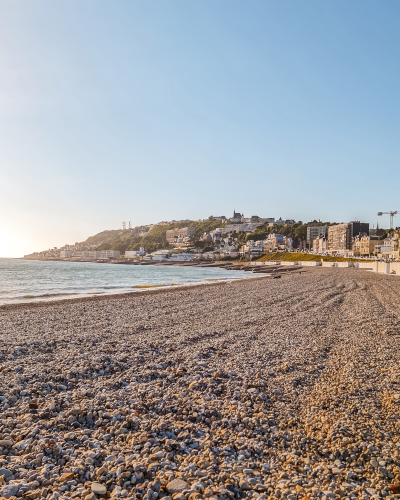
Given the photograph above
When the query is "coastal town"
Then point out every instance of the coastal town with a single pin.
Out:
(233, 238)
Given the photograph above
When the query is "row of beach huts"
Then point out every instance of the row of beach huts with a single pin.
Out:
(375, 266)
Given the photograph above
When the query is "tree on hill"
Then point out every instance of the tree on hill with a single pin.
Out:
(129, 239)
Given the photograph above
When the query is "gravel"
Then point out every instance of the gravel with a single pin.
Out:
(246, 389)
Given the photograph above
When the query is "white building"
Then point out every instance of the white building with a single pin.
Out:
(181, 257)
(91, 254)
(246, 227)
(132, 254)
(65, 254)
(109, 254)
(159, 256)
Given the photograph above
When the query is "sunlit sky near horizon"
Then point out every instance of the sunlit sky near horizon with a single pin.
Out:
(156, 110)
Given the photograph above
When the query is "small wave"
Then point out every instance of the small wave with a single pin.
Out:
(94, 293)
(150, 286)
(44, 295)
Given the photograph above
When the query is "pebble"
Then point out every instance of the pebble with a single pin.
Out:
(244, 389)
(99, 489)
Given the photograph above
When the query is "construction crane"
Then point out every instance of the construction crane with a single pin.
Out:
(392, 214)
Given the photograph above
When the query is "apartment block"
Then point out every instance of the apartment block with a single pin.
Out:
(340, 237)
(109, 254)
(314, 232)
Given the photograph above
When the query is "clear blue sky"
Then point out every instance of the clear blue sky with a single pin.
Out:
(157, 110)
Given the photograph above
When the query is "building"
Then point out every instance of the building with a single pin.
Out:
(65, 254)
(237, 217)
(109, 254)
(266, 220)
(181, 257)
(364, 245)
(389, 248)
(253, 248)
(159, 257)
(340, 237)
(320, 244)
(185, 232)
(314, 232)
(132, 254)
(247, 227)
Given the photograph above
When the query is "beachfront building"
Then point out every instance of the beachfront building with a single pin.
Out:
(109, 254)
(340, 237)
(65, 254)
(174, 235)
(133, 254)
(364, 245)
(91, 254)
(181, 257)
(389, 248)
(253, 248)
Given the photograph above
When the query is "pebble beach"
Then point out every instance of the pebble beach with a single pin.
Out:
(257, 388)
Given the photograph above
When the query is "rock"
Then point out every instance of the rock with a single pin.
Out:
(10, 490)
(201, 473)
(195, 496)
(177, 486)
(116, 491)
(6, 473)
(90, 496)
(98, 489)
(6, 442)
(244, 485)
(395, 488)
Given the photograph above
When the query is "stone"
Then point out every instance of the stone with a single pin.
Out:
(6, 473)
(177, 486)
(6, 442)
(98, 489)
(9, 490)
(90, 496)
(68, 476)
(195, 496)
(244, 485)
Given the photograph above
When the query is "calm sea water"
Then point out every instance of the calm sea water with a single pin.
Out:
(24, 280)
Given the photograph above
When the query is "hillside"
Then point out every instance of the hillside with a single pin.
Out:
(129, 239)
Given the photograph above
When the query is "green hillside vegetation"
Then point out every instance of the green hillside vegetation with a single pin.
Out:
(293, 230)
(129, 239)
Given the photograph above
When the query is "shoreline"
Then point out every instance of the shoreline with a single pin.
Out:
(262, 388)
(118, 293)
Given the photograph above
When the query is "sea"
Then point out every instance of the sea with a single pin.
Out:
(31, 280)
